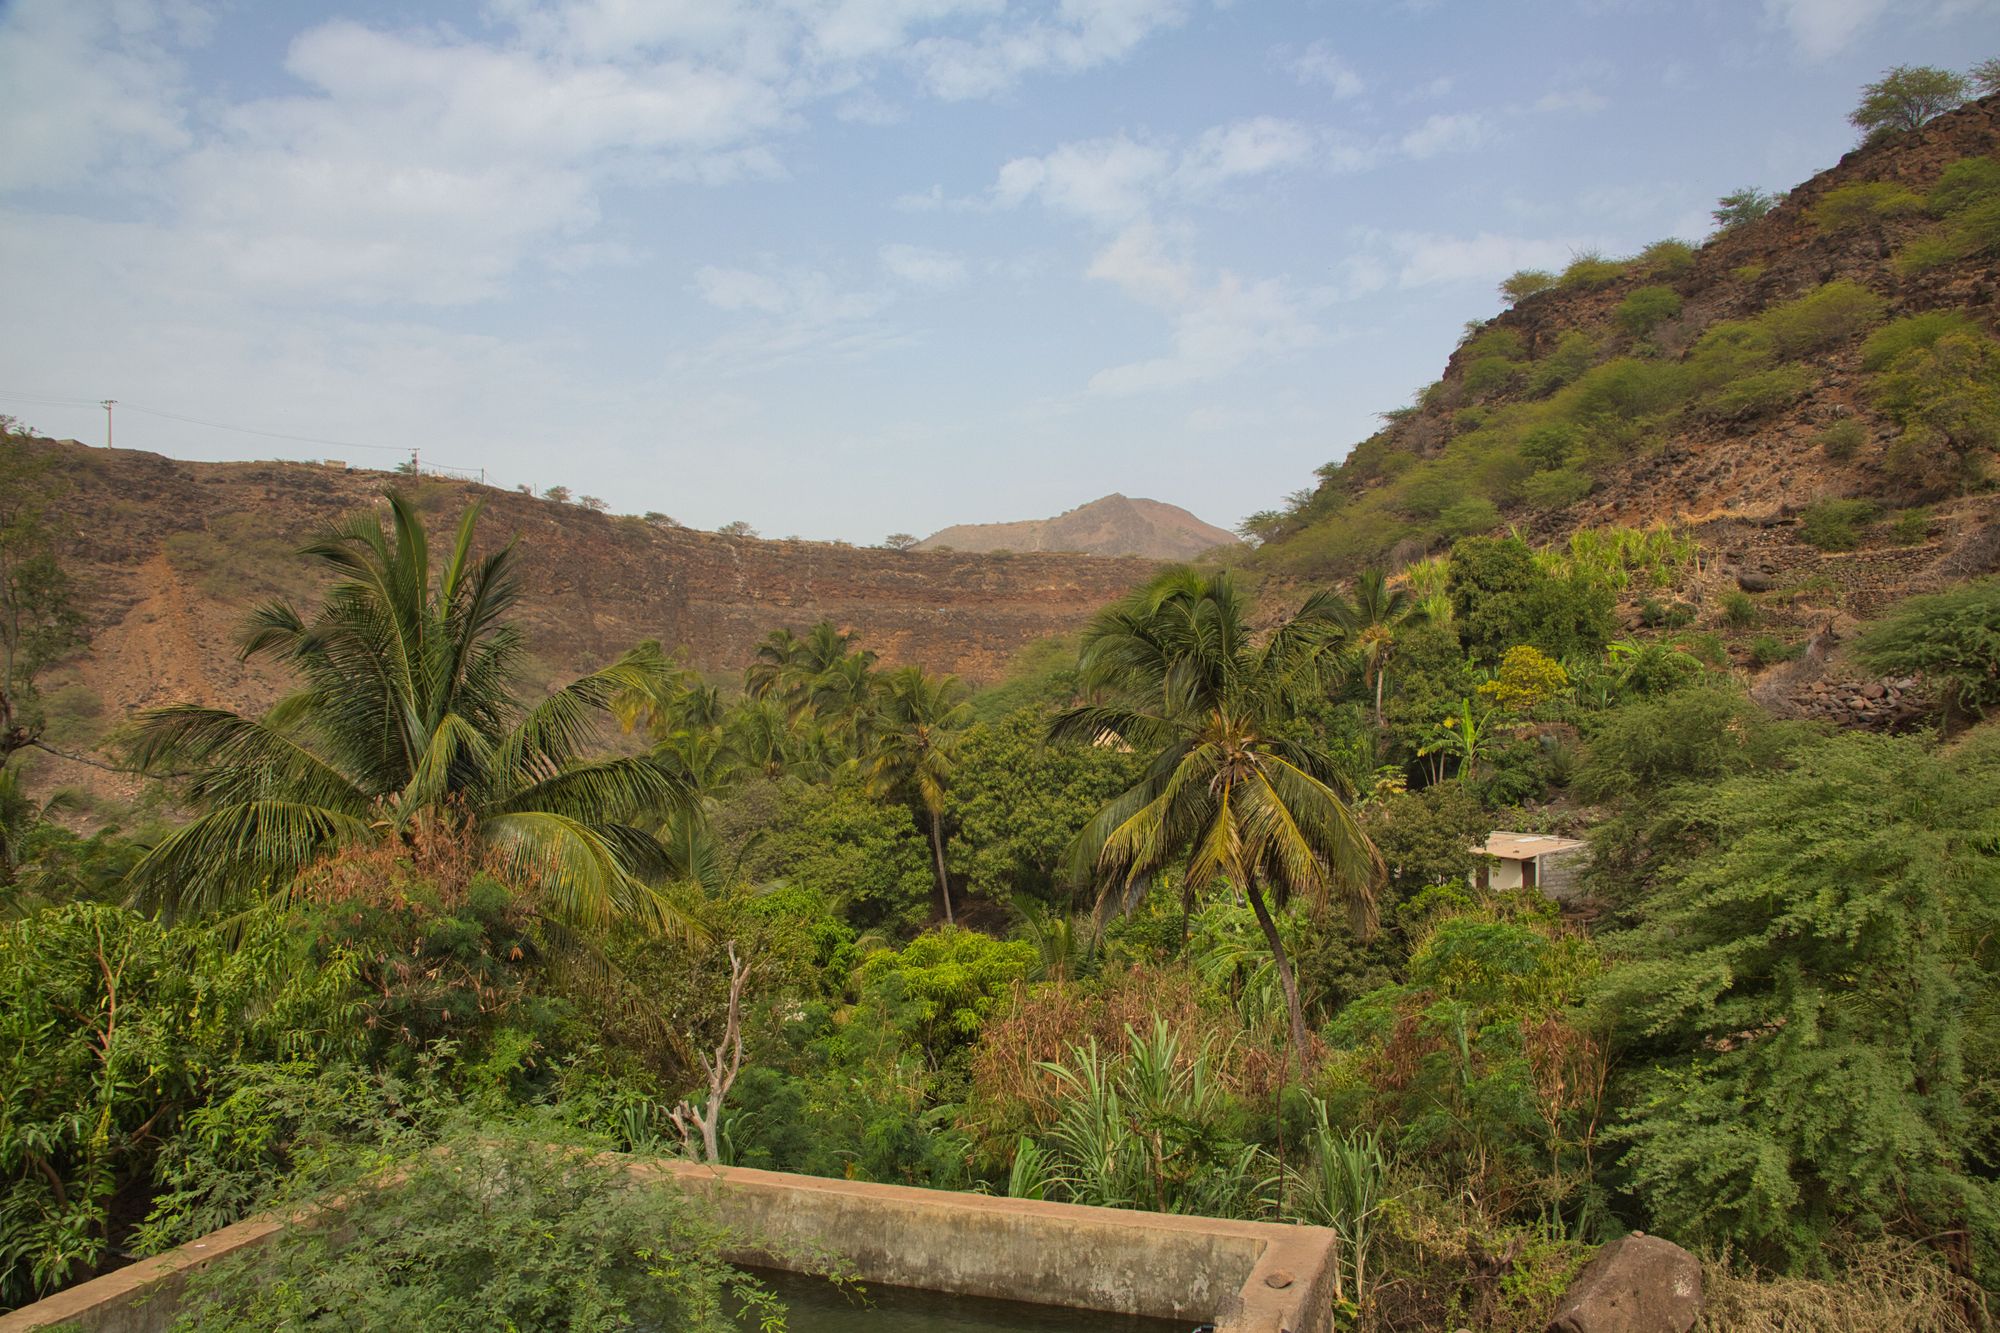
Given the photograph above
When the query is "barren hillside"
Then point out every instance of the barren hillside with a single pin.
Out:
(1116, 525)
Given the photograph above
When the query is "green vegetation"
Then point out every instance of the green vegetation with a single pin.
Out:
(1843, 439)
(1590, 269)
(1951, 639)
(1740, 208)
(1835, 525)
(1646, 309)
(1526, 283)
(1904, 99)
(1848, 206)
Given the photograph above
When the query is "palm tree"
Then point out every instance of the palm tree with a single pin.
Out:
(1176, 673)
(406, 719)
(1372, 621)
(913, 750)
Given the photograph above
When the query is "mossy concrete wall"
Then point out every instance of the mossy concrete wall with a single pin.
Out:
(1248, 1277)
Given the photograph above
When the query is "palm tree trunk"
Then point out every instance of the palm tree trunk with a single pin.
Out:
(1285, 978)
(937, 862)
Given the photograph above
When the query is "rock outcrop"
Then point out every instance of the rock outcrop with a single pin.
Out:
(1636, 1284)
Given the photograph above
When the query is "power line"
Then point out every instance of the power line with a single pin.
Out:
(49, 400)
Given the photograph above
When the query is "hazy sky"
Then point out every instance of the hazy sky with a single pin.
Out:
(847, 267)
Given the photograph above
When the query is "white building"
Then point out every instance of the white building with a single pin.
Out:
(1530, 861)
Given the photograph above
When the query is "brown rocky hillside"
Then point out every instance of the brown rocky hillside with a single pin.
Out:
(1114, 525)
(173, 553)
(1746, 411)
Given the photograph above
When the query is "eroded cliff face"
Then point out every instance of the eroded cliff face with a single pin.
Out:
(173, 553)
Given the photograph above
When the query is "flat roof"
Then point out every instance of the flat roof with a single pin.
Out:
(1526, 846)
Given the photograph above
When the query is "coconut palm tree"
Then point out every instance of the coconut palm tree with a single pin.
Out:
(915, 739)
(1174, 672)
(1373, 620)
(406, 717)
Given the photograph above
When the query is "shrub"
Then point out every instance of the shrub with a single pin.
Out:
(1911, 333)
(1768, 650)
(1504, 343)
(1501, 597)
(1747, 273)
(1801, 1069)
(1551, 445)
(1832, 314)
(1741, 207)
(1925, 253)
(1947, 393)
(1843, 439)
(1951, 639)
(1468, 516)
(1646, 309)
(1834, 525)
(1910, 527)
(1665, 259)
(1574, 353)
(1758, 394)
(1623, 390)
(1488, 375)
(1556, 489)
(1525, 283)
(1590, 269)
(1727, 352)
(1968, 181)
(1856, 205)
(1738, 611)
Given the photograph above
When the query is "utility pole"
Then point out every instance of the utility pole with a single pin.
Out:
(107, 405)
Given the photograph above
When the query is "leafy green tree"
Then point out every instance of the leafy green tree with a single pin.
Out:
(1949, 392)
(952, 978)
(1951, 639)
(1739, 208)
(1372, 619)
(1795, 1014)
(112, 1027)
(1527, 679)
(1905, 99)
(1175, 673)
(914, 752)
(1986, 76)
(1500, 597)
(405, 720)
(1019, 804)
(833, 840)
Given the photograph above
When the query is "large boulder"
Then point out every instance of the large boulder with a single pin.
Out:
(1636, 1284)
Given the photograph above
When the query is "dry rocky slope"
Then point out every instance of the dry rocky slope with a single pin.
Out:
(1739, 485)
(173, 553)
(1113, 525)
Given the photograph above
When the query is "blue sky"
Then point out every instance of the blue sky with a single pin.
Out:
(847, 267)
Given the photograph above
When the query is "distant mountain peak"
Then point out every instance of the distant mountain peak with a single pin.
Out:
(1114, 524)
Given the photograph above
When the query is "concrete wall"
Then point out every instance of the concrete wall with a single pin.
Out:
(1249, 1277)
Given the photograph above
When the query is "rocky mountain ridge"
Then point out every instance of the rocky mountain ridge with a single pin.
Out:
(1114, 525)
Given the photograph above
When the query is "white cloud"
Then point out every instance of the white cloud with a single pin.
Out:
(921, 267)
(1446, 133)
(1574, 99)
(83, 86)
(1426, 259)
(1245, 148)
(1081, 35)
(1824, 28)
(1105, 181)
(1318, 65)
(1218, 325)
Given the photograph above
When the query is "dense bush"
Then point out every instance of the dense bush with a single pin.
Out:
(1951, 639)
(1833, 313)
(1843, 439)
(1848, 206)
(1555, 490)
(1646, 309)
(1501, 597)
(1835, 525)
(1795, 1011)
(1525, 283)
(1590, 269)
